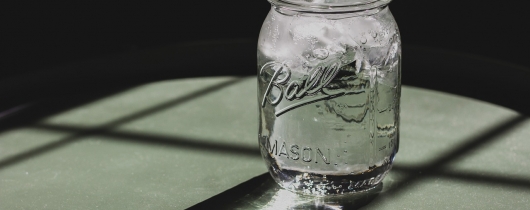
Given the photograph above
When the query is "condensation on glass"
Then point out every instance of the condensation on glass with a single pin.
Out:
(328, 93)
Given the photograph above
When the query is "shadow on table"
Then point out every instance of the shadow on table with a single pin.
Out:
(78, 132)
(262, 192)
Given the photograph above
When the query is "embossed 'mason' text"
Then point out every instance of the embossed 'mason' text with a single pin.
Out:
(295, 152)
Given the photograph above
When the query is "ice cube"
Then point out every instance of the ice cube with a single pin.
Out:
(320, 54)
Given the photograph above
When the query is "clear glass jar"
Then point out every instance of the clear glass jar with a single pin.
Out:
(328, 93)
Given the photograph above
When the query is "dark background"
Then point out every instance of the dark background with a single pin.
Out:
(41, 38)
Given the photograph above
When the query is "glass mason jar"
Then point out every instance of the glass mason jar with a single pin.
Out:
(328, 93)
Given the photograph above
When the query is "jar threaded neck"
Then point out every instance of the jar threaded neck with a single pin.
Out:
(329, 6)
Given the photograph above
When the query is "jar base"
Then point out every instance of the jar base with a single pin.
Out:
(324, 184)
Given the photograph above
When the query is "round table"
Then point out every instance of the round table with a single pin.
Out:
(147, 130)
(192, 143)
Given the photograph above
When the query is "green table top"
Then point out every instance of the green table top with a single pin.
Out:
(193, 142)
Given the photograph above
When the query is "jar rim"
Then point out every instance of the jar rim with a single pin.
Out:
(329, 6)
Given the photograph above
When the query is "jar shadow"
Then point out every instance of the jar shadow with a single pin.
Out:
(263, 193)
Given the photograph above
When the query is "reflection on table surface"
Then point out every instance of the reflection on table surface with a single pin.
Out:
(192, 143)
(262, 192)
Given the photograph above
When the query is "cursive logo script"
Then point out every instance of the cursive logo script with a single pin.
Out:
(315, 85)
